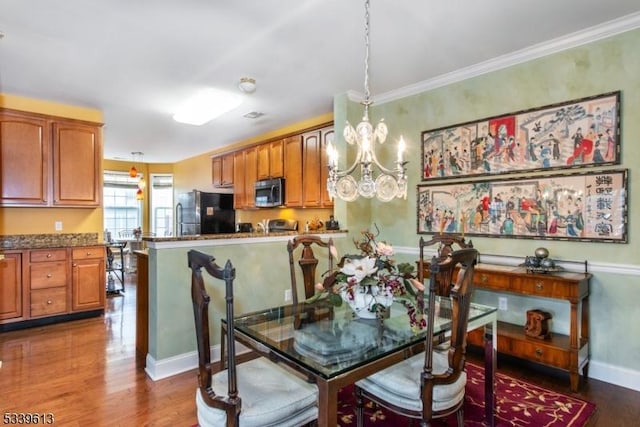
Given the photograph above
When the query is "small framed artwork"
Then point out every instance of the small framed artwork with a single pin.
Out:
(575, 134)
(588, 206)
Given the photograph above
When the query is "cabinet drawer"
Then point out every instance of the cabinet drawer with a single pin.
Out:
(50, 301)
(89, 252)
(48, 275)
(543, 287)
(540, 352)
(48, 255)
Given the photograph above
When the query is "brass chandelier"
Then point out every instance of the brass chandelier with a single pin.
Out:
(390, 183)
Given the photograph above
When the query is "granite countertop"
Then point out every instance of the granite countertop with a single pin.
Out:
(65, 240)
(45, 241)
(237, 235)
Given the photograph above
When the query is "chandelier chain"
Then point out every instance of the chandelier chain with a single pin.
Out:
(367, 92)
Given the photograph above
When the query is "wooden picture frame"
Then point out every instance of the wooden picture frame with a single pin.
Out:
(588, 206)
(574, 134)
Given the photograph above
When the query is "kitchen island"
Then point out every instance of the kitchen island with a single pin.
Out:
(262, 276)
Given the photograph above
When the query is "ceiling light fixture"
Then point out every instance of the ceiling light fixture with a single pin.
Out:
(390, 183)
(247, 85)
(206, 106)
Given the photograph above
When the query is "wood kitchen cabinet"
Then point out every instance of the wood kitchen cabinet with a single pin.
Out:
(567, 352)
(270, 164)
(314, 163)
(250, 176)
(222, 170)
(293, 171)
(48, 282)
(40, 286)
(88, 277)
(24, 160)
(11, 295)
(77, 167)
(49, 161)
(239, 191)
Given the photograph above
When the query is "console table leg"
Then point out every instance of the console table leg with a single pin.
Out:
(490, 350)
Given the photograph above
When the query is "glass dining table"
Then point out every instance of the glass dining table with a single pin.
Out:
(334, 348)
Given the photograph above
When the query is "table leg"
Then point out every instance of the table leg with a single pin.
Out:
(490, 349)
(327, 403)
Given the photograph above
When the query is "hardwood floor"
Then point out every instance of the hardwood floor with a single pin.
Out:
(84, 372)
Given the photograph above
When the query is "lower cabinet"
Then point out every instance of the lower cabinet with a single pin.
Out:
(88, 276)
(38, 284)
(11, 295)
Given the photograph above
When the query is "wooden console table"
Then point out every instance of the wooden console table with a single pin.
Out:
(571, 352)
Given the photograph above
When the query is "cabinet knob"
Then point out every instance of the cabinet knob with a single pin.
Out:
(49, 275)
(484, 278)
(49, 302)
(75, 265)
(49, 255)
(538, 352)
(539, 286)
(88, 254)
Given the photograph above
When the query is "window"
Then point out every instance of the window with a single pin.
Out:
(162, 204)
(122, 211)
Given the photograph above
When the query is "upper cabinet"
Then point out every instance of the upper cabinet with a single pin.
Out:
(222, 169)
(270, 164)
(300, 158)
(77, 156)
(49, 161)
(293, 171)
(314, 164)
(25, 145)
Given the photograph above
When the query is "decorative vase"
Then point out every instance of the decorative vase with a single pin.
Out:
(364, 298)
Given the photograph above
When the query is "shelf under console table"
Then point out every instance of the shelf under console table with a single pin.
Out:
(570, 353)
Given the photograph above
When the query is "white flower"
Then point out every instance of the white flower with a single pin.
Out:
(359, 268)
(383, 249)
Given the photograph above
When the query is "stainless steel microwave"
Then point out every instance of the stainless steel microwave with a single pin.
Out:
(269, 193)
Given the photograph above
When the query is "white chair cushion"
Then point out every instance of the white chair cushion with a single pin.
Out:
(270, 395)
(400, 384)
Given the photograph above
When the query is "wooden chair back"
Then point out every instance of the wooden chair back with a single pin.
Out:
(445, 247)
(231, 403)
(308, 262)
(463, 261)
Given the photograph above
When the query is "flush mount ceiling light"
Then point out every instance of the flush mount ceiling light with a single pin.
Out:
(206, 106)
(247, 85)
(390, 183)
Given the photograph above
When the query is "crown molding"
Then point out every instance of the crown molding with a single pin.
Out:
(578, 38)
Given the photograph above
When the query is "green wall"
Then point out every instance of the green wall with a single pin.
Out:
(607, 65)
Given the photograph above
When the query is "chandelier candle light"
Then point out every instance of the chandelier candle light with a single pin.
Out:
(390, 183)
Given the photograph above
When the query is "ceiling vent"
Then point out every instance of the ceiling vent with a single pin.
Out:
(253, 115)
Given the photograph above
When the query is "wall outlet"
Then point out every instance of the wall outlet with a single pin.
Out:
(58, 225)
(502, 303)
(287, 295)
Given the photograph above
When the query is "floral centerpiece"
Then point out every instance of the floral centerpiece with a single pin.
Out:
(371, 280)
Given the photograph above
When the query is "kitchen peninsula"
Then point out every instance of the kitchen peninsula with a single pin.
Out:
(262, 275)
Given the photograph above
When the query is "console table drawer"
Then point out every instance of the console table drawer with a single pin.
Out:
(539, 352)
(48, 275)
(50, 301)
(543, 287)
(489, 280)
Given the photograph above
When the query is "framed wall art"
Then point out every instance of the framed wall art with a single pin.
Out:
(588, 206)
(578, 133)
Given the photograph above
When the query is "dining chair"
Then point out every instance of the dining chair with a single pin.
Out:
(431, 384)
(257, 392)
(445, 246)
(308, 263)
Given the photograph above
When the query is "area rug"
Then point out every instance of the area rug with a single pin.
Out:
(518, 404)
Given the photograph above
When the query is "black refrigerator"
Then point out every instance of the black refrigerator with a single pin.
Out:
(198, 212)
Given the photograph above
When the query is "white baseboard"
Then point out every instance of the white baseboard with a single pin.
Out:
(615, 375)
(164, 368)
